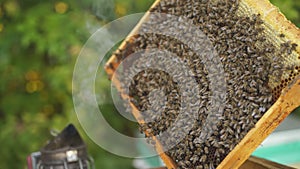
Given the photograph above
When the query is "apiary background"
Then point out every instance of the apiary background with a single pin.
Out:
(40, 41)
(283, 145)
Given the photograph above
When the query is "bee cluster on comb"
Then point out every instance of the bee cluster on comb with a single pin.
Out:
(253, 65)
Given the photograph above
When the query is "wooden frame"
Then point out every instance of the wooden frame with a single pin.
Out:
(287, 102)
(257, 163)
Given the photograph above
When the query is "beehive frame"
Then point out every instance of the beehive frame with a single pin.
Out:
(285, 104)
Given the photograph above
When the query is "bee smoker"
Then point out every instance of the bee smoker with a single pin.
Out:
(65, 151)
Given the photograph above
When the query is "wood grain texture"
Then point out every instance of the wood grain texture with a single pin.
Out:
(256, 163)
(110, 68)
(271, 15)
(112, 64)
(166, 159)
(287, 102)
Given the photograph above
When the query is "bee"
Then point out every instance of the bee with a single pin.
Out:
(281, 35)
(203, 158)
(246, 70)
(206, 151)
(221, 151)
(224, 136)
(199, 167)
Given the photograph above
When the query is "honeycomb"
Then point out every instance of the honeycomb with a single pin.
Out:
(258, 60)
(290, 59)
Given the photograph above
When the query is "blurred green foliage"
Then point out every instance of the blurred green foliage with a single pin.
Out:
(290, 8)
(40, 41)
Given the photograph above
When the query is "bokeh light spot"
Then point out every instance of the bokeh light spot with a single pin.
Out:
(120, 10)
(31, 75)
(61, 7)
(1, 27)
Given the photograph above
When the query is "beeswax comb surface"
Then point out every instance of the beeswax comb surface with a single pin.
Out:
(258, 51)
